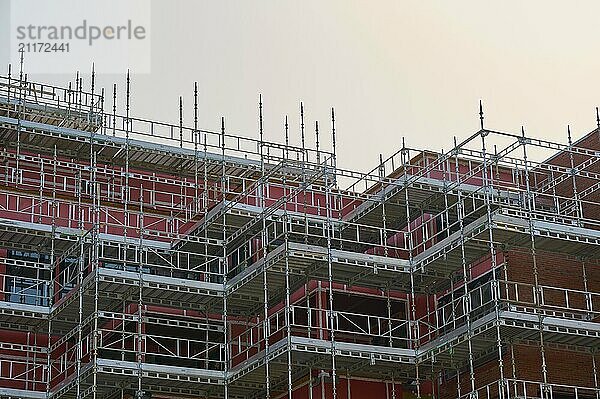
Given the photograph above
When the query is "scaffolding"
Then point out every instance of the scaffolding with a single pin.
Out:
(144, 259)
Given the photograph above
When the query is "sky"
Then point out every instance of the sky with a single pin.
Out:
(391, 69)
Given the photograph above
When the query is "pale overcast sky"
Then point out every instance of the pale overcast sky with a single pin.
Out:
(390, 68)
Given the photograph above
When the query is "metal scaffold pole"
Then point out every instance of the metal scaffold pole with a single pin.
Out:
(140, 350)
(595, 373)
(114, 109)
(304, 160)
(97, 191)
(288, 309)
(224, 263)
(530, 208)
(466, 298)
(264, 243)
(488, 187)
(80, 270)
(329, 227)
(412, 317)
(53, 274)
(9, 89)
(578, 207)
(196, 139)
(383, 231)
(20, 111)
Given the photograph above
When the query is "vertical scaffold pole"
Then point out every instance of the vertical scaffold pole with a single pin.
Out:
(114, 110)
(488, 187)
(465, 273)
(140, 313)
(537, 298)
(317, 143)
(305, 159)
(53, 275)
(334, 146)
(180, 122)
(595, 373)
(80, 269)
(328, 213)
(196, 138)
(126, 193)
(80, 99)
(458, 385)
(513, 367)
(205, 206)
(578, 207)
(102, 116)
(481, 116)
(9, 89)
(20, 108)
(287, 139)
(288, 308)
(413, 329)
(225, 263)
(383, 235)
(589, 304)
(264, 243)
(93, 87)
(96, 194)
(389, 315)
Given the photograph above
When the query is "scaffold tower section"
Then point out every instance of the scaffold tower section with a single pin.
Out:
(141, 259)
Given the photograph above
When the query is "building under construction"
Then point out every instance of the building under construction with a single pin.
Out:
(147, 260)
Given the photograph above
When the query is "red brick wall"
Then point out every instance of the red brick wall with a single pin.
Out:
(554, 270)
(563, 367)
(591, 203)
(484, 374)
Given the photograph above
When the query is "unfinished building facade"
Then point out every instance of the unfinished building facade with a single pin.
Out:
(140, 259)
